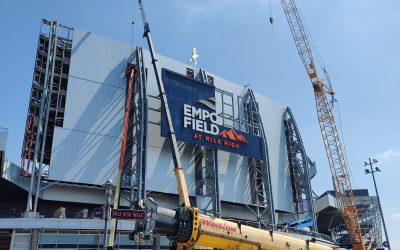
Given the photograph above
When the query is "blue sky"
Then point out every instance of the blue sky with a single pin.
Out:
(358, 41)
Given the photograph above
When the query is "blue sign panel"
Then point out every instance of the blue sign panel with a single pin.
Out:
(193, 111)
(98, 212)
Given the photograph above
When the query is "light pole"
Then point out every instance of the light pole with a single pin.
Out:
(372, 171)
(109, 185)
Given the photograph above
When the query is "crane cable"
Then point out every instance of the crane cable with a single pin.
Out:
(333, 100)
(132, 25)
(344, 143)
(271, 19)
(313, 45)
(322, 65)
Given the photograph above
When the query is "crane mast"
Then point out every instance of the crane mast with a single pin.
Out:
(333, 147)
(180, 175)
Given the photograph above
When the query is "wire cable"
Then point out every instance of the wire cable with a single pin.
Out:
(132, 24)
(344, 144)
(271, 19)
(312, 43)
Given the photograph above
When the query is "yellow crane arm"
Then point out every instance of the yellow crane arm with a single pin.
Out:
(190, 229)
(222, 234)
(180, 176)
(333, 147)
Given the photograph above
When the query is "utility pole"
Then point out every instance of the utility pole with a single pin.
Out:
(372, 171)
(109, 186)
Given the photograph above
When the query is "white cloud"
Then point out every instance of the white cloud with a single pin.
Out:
(388, 158)
(389, 154)
(396, 215)
(191, 9)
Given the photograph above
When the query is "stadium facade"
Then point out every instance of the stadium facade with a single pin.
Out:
(242, 152)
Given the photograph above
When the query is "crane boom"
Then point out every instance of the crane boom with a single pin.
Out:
(333, 147)
(186, 227)
(180, 176)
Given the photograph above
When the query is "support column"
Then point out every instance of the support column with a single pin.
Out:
(299, 170)
(259, 171)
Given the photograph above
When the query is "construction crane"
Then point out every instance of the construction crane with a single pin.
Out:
(334, 149)
(185, 226)
(180, 175)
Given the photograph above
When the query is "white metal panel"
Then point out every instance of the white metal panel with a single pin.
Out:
(99, 59)
(94, 108)
(234, 211)
(86, 149)
(3, 139)
(84, 157)
(160, 174)
(280, 178)
(69, 193)
(272, 117)
(11, 172)
(233, 178)
(324, 202)
(94, 115)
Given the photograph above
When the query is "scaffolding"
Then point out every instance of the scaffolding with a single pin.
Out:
(298, 170)
(47, 102)
(134, 165)
(226, 102)
(370, 217)
(206, 167)
(370, 223)
(249, 120)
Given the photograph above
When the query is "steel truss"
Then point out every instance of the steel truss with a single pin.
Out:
(370, 221)
(298, 169)
(47, 103)
(259, 171)
(370, 224)
(134, 166)
(206, 172)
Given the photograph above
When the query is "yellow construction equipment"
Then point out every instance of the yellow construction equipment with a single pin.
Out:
(189, 229)
(334, 150)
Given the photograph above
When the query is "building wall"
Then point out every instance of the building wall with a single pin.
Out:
(3, 144)
(3, 139)
(86, 149)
